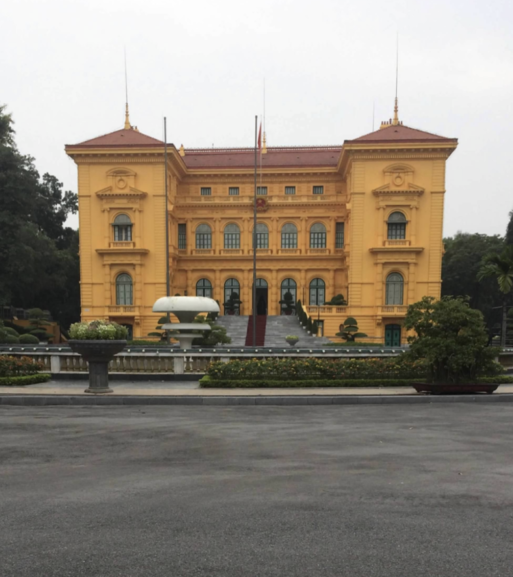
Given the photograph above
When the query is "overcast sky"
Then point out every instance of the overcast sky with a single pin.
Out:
(326, 63)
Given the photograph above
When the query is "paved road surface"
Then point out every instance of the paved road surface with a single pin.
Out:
(399, 490)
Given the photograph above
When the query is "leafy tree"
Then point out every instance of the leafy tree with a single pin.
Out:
(349, 330)
(38, 254)
(452, 338)
(460, 267)
(500, 268)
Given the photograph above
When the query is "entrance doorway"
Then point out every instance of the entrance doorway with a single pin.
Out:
(261, 296)
(393, 336)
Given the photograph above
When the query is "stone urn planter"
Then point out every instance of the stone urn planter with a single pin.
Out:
(454, 389)
(291, 340)
(98, 354)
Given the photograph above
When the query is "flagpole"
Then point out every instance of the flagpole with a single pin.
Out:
(254, 236)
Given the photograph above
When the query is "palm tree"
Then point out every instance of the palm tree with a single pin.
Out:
(500, 266)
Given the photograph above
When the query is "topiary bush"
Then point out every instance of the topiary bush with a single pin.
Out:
(28, 339)
(11, 339)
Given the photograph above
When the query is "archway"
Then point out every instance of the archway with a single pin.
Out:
(262, 296)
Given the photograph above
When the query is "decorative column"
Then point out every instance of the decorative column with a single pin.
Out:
(109, 234)
(274, 237)
(379, 285)
(191, 236)
(381, 224)
(217, 241)
(273, 294)
(245, 293)
(107, 286)
(218, 289)
(413, 225)
(246, 244)
(411, 284)
(303, 243)
(138, 300)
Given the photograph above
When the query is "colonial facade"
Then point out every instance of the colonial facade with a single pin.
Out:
(363, 219)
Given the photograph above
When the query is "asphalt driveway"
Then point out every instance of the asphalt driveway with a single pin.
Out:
(367, 491)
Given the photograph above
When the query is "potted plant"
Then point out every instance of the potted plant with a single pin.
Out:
(287, 303)
(292, 339)
(97, 342)
(232, 305)
(452, 339)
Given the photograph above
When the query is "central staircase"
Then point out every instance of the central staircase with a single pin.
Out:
(261, 321)
(271, 331)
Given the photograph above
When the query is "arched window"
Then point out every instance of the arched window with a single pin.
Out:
(124, 290)
(289, 236)
(261, 283)
(231, 236)
(203, 236)
(396, 226)
(317, 291)
(395, 289)
(262, 235)
(231, 296)
(204, 288)
(318, 235)
(122, 228)
(288, 287)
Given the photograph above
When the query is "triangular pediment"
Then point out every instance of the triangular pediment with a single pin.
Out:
(109, 192)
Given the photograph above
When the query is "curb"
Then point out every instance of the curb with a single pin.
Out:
(85, 400)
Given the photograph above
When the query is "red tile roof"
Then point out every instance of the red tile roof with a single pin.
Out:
(400, 133)
(123, 137)
(275, 157)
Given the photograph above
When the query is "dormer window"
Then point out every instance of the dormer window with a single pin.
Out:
(122, 228)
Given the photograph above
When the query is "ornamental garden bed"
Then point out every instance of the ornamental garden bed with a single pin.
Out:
(20, 371)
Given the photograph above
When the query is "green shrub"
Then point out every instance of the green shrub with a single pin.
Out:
(11, 331)
(208, 382)
(314, 367)
(452, 338)
(11, 339)
(23, 380)
(217, 334)
(357, 344)
(98, 330)
(28, 339)
(11, 366)
(349, 330)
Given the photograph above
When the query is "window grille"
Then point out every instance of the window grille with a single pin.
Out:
(339, 235)
(290, 190)
(318, 189)
(206, 191)
(262, 190)
(233, 191)
(318, 236)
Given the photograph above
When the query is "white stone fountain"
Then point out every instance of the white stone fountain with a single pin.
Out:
(186, 309)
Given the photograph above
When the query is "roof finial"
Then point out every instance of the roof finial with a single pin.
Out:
(395, 122)
(127, 118)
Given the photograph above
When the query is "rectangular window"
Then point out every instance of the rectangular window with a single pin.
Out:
(233, 191)
(182, 236)
(396, 231)
(231, 240)
(290, 190)
(318, 189)
(206, 191)
(289, 240)
(262, 190)
(203, 240)
(317, 240)
(262, 240)
(339, 235)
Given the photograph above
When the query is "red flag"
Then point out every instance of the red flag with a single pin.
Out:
(260, 138)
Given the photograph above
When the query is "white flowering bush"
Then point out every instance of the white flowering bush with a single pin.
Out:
(98, 330)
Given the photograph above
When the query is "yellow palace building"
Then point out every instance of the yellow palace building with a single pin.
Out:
(363, 220)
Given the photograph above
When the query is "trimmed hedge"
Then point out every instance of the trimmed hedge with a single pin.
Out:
(312, 368)
(23, 380)
(208, 383)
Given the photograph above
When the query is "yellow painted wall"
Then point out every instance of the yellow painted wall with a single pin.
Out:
(370, 182)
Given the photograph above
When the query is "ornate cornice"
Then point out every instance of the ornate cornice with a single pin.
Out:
(388, 190)
(132, 192)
